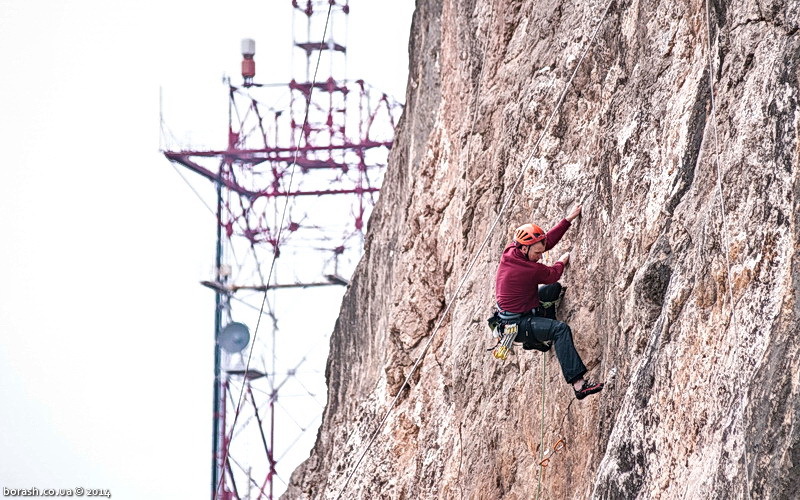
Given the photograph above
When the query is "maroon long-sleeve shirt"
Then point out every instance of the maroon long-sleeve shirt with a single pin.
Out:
(518, 279)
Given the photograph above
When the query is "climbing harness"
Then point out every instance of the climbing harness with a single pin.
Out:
(505, 327)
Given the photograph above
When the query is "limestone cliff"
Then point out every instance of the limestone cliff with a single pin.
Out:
(684, 281)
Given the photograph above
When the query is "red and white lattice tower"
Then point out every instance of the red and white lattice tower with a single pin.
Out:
(295, 186)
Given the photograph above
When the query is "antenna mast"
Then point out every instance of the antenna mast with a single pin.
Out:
(294, 185)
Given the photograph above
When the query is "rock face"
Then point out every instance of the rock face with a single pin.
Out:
(684, 280)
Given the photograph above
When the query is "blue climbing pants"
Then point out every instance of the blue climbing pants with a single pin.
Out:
(535, 329)
(538, 329)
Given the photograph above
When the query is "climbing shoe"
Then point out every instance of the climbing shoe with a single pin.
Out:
(588, 388)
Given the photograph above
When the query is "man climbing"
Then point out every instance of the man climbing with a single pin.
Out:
(517, 292)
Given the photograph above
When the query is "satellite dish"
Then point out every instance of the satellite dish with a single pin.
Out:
(234, 337)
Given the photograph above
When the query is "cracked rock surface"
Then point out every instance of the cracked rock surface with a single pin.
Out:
(679, 134)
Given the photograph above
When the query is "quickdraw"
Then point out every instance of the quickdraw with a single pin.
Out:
(558, 446)
(505, 342)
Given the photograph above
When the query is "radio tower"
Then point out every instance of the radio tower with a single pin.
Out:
(294, 186)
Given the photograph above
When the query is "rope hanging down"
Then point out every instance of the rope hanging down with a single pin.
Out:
(274, 257)
(724, 232)
(504, 206)
(541, 439)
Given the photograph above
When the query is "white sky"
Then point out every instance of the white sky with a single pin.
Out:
(106, 359)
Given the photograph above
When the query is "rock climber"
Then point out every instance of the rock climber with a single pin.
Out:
(518, 298)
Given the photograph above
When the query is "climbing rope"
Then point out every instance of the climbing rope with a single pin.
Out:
(541, 439)
(504, 206)
(724, 232)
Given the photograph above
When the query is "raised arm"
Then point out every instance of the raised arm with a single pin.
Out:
(576, 212)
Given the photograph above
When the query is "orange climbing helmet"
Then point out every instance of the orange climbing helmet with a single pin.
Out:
(528, 234)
